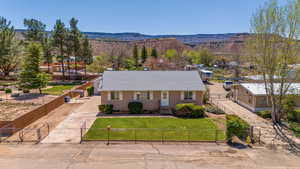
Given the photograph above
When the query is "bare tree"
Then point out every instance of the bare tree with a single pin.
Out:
(273, 47)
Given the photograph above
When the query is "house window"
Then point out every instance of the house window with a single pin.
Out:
(142, 96)
(188, 95)
(115, 95)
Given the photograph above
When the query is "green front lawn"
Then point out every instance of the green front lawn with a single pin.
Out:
(57, 90)
(155, 128)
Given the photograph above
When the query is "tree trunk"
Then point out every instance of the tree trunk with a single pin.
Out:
(85, 71)
(48, 67)
(40, 90)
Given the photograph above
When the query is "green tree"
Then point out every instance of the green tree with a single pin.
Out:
(10, 48)
(87, 53)
(75, 37)
(47, 51)
(98, 65)
(136, 56)
(154, 53)
(272, 47)
(193, 56)
(31, 77)
(206, 57)
(144, 54)
(171, 54)
(36, 30)
(59, 35)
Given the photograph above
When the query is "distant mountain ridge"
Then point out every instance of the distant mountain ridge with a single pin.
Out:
(195, 39)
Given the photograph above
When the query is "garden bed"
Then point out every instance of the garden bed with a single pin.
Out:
(10, 111)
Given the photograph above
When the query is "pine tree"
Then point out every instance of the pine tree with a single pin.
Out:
(75, 37)
(87, 53)
(31, 77)
(47, 50)
(144, 54)
(136, 56)
(154, 53)
(36, 30)
(59, 35)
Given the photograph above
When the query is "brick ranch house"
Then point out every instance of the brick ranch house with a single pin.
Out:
(253, 95)
(155, 89)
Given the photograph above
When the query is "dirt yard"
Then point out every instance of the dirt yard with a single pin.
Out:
(10, 111)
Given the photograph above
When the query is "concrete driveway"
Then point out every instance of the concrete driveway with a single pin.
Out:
(68, 131)
(142, 156)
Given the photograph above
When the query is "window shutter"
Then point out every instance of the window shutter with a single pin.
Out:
(121, 96)
(182, 95)
(194, 95)
(108, 95)
(151, 95)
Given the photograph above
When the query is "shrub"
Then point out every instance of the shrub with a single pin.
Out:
(135, 107)
(236, 126)
(288, 104)
(197, 112)
(294, 115)
(214, 110)
(264, 114)
(106, 108)
(90, 90)
(8, 90)
(26, 91)
(2, 89)
(189, 110)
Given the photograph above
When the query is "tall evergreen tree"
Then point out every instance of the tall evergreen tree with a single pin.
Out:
(59, 35)
(31, 77)
(10, 48)
(75, 37)
(136, 56)
(47, 51)
(36, 30)
(154, 53)
(87, 53)
(144, 54)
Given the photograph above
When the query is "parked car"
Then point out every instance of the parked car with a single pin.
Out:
(227, 84)
(206, 75)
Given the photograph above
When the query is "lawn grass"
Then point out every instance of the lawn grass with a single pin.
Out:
(57, 90)
(155, 128)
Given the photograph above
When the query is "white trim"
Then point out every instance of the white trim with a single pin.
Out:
(182, 95)
(151, 95)
(109, 96)
(194, 95)
(120, 95)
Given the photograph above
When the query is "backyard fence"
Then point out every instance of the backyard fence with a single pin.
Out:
(152, 135)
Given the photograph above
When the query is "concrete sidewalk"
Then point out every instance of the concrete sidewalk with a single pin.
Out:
(68, 131)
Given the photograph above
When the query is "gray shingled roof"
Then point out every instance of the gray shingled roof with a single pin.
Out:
(151, 81)
(259, 88)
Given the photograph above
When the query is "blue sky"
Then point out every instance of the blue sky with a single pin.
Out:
(144, 16)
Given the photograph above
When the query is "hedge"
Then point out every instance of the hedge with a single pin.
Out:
(8, 90)
(106, 108)
(236, 126)
(294, 116)
(189, 110)
(135, 107)
(264, 114)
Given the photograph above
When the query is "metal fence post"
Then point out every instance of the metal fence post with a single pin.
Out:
(81, 135)
(162, 136)
(108, 135)
(216, 135)
(135, 136)
(188, 136)
(39, 134)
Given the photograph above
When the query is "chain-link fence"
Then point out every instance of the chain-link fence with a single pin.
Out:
(34, 135)
(152, 135)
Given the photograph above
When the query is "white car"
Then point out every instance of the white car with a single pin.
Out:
(227, 84)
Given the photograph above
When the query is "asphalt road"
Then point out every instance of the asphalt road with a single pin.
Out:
(142, 156)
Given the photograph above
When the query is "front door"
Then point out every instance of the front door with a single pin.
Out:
(164, 98)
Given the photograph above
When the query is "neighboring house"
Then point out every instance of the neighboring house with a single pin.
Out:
(253, 95)
(155, 89)
(258, 78)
